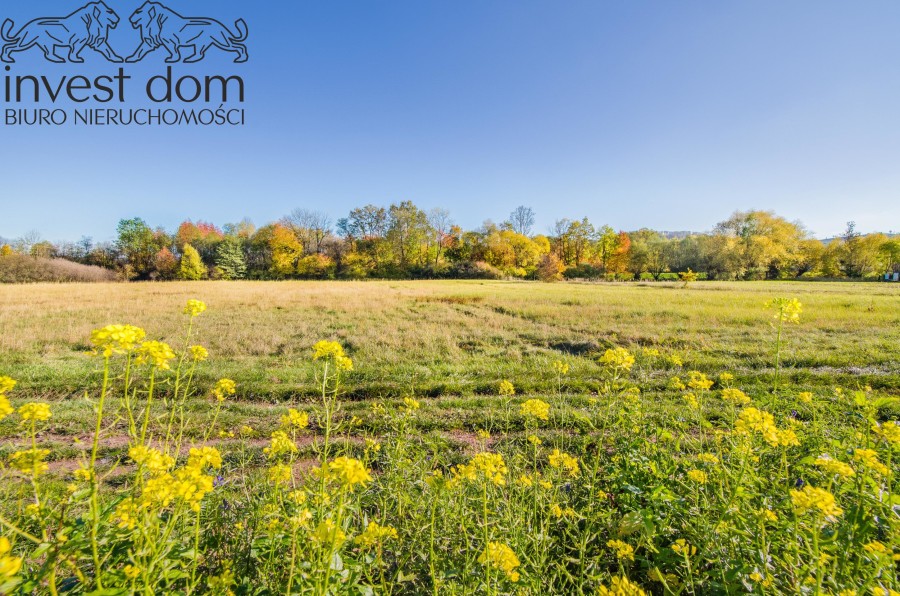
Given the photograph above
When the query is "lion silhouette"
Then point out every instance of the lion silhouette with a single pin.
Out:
(163, 27)
(87, 27)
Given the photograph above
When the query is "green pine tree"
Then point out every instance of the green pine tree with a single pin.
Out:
(191, 266)
(230, 258)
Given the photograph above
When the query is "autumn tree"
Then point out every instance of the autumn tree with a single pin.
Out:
(191, 266)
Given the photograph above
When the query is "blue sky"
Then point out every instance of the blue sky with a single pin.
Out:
(669, 115)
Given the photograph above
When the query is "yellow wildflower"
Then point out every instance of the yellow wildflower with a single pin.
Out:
(30, 461)
(618, 358)
(869, 458)
(708, 458)
(279, 474)
(698, 476)
(6, 384)
(194, 308)
(117, 339)
(676, 384)
(332, 350)
(411, 405)
(198, 353)
(347, 471)
(36, 411)
(126, 514)
(561, 368)
(281, 445)
(224, 388)
(327, 533)
(537, 409)
(525, 480)
(834, 467)
(787, 309)
(815, 499)
(889, 431)
(735, 396)
(500, 556)
(534, 440)
(506, 388)
(805, 397)
(200, 457)
(153, 460)
(9, 565)
(697, 380)
(295, 419)
(375, 534)
(621, 586)
(5, 407)
(558, 459)
(623, 549)
(155, 353)
(691, 400)
(725, 378)
(488, 465)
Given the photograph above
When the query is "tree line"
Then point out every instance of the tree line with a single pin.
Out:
(402, 241)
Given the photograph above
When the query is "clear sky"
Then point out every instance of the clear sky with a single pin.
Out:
(669, 115)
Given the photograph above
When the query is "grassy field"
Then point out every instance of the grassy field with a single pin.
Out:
(456, 338)
(653, 390)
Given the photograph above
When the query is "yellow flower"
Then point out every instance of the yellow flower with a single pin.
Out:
(691, 400)
(681, 547)
(246, 431)
(281, 445)
(30, 461)
(194, 308)
(623, 549)
(536, 408)
(38, 412)
(488, 465)
(200, 457)
(708, 458)
(558, 459)
(735, 396)
(676, 384)
(332, 350)
(327, 533)
(889, 431)
(834, 467)
(155, 462)
(805, 397)
(787, 309)
(525, 480)
(375, 535)
(199, 353)
(117, 339)
(126, 514)
(675, 360)
(482, 434)
(534, 440)
(868, 458)
(697, 380)
(224, 388)
(752, 420)
(279, 474)
(295, 419)
(5, 407)
(500, 556)
(347, 471)
(726, 378)
(815, 499)
(6, 384)
(875, 548)
(768, 515)
(411, 405)
(621, 586)
(618, 358)
(698, 476)
(156, 353)
(9, 565)
(191, 485)
(561, 368)
(506, 388)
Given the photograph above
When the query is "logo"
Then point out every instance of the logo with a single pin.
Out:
(159, 27)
